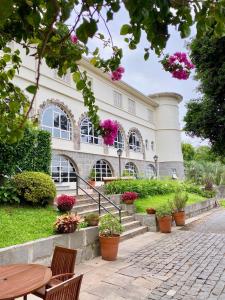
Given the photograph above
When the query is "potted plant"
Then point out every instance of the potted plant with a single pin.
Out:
(109, 236)
(91, 178)
(66, 223)
(164, 217)
(179, 203)
(65, 202)
(150, 211)
(129, 197)
(92, 219)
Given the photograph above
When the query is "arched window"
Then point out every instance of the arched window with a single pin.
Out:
(134, 142)
(56, 121)
(150, 171)
(102, 169)
(62, 169)
(131, 169)
(88, 134)
(119, 141)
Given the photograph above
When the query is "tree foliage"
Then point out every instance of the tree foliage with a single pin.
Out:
(205, 116)
(188, 151)
(41, 28)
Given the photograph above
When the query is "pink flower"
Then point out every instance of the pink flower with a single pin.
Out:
(110, 131)
(73, 38)
(117, 74)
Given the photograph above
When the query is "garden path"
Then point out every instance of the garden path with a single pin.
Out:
(186, 264)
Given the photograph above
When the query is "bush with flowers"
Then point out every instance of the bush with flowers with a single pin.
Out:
(65, 202)
(109, 130)
(66, 223)
(117, 74)
(129, 197)
(178, 65)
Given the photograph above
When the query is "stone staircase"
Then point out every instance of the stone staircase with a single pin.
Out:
(85, 205)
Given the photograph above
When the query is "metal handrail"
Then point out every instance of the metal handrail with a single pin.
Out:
(99, 197)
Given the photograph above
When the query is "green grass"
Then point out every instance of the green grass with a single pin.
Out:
(157, 200)
(20, 224)
(222, 203)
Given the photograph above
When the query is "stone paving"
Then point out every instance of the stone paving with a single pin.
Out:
(186, 264)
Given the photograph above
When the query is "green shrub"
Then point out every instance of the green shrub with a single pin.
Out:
(109, 226)
(8, 193)
(179, 201)
(35, 187)
(163, 210)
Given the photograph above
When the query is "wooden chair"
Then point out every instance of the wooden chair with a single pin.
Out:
(66, 290)
(63, 263)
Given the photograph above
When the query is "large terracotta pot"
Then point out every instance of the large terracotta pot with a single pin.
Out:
(109, 247)
(165, 224)
(179, 218)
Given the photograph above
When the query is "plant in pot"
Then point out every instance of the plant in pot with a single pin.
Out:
(179, 202)
(66, 223)
(91, 178)
(150, 211)
(164, 217)
(65, 203)
(109, 236)
(92, 219)
(129, 197)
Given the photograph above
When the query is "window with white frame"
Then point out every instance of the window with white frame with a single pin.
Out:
(152, 145)
(117, 99)
(102, 169)
(88, 134)
(134, 142)
(150, 171)
(131, 106)
(56, 121)
(150, 115)
(119, 141)
(131, 169)
(62, 169)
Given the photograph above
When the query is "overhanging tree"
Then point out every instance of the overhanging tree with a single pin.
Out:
(41, 27)
(205, 116)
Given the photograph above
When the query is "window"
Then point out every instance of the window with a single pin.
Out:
(117, 99)
(131, 169)
(56, 121)
(88, 134)
(102, 169)
(131, 106)
(134, 142)
(66, 78)
(62, 169)
(150, 115)
(146, 144)
(152, 145)
(150, 171)
(119, 141)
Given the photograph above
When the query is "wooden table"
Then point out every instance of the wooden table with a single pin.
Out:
(21, 279)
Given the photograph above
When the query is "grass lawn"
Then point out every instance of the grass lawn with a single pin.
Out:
(156, 201)
(20, 224)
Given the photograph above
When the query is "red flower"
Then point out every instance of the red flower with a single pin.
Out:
(129, 196)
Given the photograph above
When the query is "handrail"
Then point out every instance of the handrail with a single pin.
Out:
(99, 197)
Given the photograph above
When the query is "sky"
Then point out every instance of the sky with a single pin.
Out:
(148, 76)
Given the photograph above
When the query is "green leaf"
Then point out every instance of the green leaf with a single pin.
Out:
(146, 56)
(76, 76)
(80, 85)
(125, 29)
(31, 89)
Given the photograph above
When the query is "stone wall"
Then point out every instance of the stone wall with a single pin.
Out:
(165, 169)
(40, 251)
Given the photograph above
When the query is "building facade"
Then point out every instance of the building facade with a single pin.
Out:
(148, 126)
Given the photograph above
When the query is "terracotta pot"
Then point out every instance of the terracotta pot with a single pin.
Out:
(128, 201)
(109, 247)
(179, 218)
(165, 224)
(150, 211)
(91, 182)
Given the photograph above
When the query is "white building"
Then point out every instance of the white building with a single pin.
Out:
(149, 125)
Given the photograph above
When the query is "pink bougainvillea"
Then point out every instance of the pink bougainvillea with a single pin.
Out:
(178, 65)
(109, 131)
(117, 74)
(73, 38)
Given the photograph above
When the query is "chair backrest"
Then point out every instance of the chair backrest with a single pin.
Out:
(67, 290)
(63, 260)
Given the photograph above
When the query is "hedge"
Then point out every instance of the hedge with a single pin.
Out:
(32, 153)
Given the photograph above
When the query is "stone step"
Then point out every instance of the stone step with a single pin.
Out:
(89, 206)
(89, 201)
(131, 225)
(86, 212)
(133, 232)
(127, 219)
